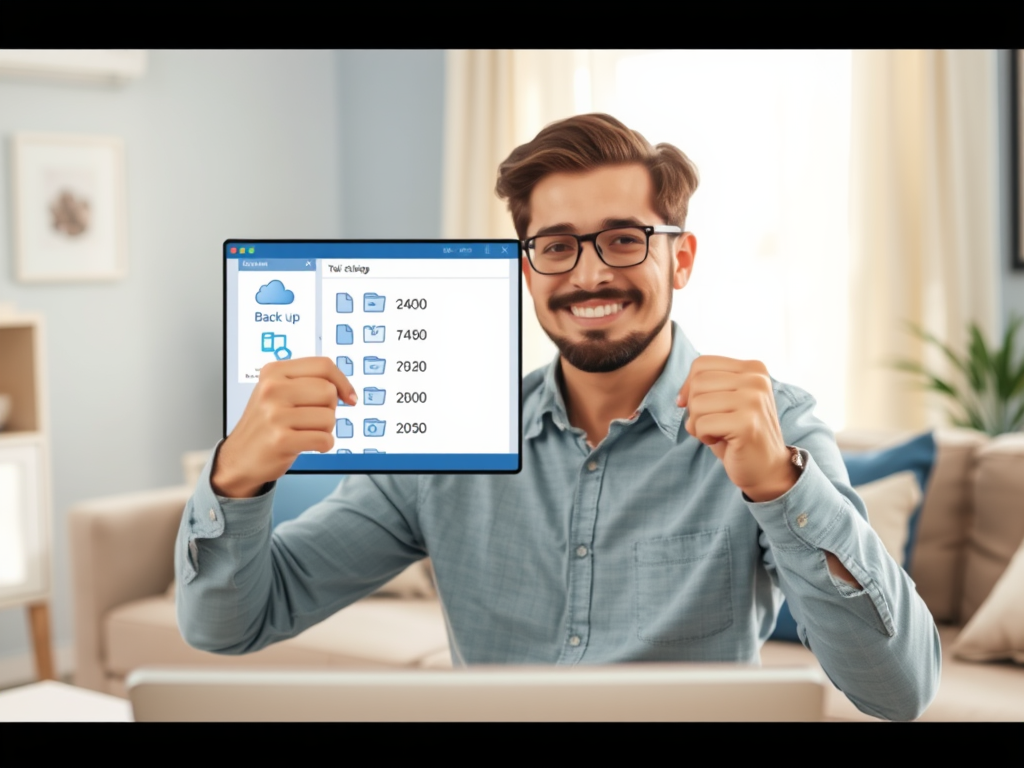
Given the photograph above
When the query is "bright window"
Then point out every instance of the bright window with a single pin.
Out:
(770, 133)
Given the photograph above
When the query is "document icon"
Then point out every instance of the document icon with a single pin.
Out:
(372, 333)
(343, 403)
(373, 427)
(343, 450)
(372, 450)
(373, 396)
(344, 334)
(373, 302)
(344, 302)
(345, 365)
(344, 428)
(373, 366)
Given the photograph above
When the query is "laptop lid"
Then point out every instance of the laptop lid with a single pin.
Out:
(627, 692)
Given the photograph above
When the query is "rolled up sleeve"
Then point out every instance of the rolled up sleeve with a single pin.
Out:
(878, 644)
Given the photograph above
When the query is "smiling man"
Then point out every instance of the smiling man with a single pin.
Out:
(667, 500)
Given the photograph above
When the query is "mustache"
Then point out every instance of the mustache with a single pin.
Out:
(556, 303)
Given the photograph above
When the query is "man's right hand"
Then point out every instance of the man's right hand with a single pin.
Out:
(292, 409)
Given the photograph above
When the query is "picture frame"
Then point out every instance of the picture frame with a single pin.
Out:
(69, 211)
(1017, 161)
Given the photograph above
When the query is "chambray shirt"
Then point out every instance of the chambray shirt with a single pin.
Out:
(640, 549)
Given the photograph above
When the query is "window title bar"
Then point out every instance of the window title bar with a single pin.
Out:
(435, 249)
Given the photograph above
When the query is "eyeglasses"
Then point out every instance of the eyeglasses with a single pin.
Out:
(619, 247)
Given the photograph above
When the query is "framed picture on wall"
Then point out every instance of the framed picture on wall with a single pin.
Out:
(1017, 125)
(69, 208)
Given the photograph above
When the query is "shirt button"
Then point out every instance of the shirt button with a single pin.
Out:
(574, 640)
(213, 516)
(801, 519)
(592, 466)
(581, 551)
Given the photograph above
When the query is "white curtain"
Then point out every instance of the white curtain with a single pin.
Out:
(923, 222)
(495, 101)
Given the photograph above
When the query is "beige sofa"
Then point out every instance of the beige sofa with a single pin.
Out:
(971, 525)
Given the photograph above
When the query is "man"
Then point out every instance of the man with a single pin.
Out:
(665, 496)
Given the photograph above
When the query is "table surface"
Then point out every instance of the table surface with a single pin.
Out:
(50, 701)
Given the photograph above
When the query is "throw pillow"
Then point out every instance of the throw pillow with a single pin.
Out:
(996, 631)
(917, 456)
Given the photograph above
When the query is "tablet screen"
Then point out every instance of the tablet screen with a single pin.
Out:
(428, 333)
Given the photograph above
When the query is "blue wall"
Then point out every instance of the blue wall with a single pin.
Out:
(218, 144)
(393, 107)
(313, 144)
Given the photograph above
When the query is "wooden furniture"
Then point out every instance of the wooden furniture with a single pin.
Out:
(25, 503)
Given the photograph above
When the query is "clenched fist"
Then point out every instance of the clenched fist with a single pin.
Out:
(292, 409)
(732, 409)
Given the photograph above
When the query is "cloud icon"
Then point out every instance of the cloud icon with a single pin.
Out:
(274, 292)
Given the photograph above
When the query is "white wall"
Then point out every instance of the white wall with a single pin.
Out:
(218, 144)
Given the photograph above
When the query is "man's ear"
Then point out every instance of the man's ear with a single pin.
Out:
(685, 253)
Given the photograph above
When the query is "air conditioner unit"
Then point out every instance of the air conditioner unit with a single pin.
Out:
(76, 66)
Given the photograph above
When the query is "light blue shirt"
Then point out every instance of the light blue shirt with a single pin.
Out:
(640, 549)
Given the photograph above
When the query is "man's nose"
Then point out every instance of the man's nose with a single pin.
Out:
(590, 270)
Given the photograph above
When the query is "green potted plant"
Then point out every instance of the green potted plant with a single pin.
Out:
(991, 395)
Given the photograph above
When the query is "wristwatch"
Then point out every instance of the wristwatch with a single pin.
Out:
(796, 458)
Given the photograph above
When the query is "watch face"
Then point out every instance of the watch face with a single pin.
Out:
(796, 457)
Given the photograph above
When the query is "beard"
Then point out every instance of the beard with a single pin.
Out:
(598, 353)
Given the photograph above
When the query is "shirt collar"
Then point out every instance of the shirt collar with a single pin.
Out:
(660, 399)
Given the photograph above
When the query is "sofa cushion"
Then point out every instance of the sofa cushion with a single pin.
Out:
(372, 633)
(938, 563)
(996, 631)
(916, 455)
(997, 527)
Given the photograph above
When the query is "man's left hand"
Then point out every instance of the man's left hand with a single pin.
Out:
(731, 409)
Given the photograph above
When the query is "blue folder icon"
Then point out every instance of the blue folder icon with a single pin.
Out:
(373, 366)
(373, 396)
(344, 334)
(345, 365)
(372, 333)
(372, 450)
(373, 302)
(373, 427)
(343, 403)
(343, 450)
(344, 302)
(344, 428)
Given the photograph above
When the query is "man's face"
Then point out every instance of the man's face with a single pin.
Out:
(634, 302)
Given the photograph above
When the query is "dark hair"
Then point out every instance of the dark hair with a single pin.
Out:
(585, 142)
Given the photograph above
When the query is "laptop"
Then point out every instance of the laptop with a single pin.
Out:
(625, 692)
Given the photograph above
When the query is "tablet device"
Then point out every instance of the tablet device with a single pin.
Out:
(429, 332)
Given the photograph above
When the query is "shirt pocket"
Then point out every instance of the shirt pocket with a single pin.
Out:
(683, 587)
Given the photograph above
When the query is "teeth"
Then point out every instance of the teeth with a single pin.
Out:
(603, 311)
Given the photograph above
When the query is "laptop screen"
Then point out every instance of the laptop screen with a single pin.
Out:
(428, 333)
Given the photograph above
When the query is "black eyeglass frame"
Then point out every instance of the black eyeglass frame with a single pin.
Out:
(658, 229)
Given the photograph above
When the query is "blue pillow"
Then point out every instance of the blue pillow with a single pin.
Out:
(917, 455)
(296, 493)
